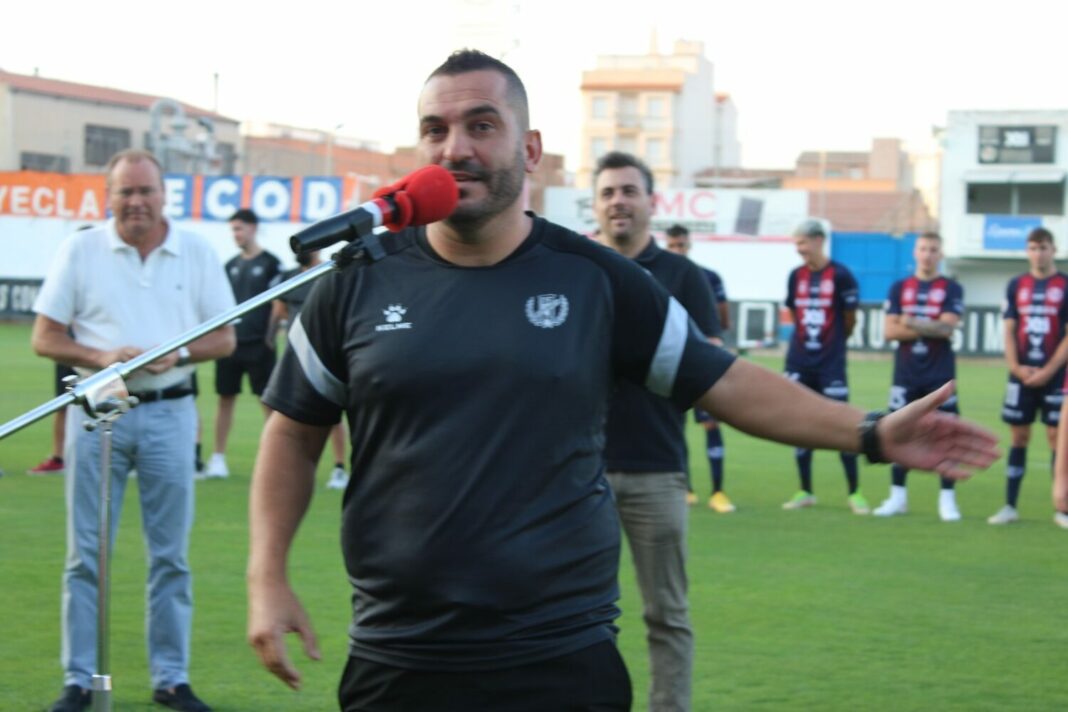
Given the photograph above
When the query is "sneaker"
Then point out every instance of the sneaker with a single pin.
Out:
(74, 699)
(720, 502)
(858, 504)
(800, 500)
(948, 510)
(691, 498)
(1005, 515)
(339, 479)
(180, 698)
(892, 507)
(51, 466)
(217, 469)
(1061, 520)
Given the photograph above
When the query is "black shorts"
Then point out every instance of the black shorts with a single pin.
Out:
(1022, 403)
(61, 373)
(832, 385)
(253, 358)
(902, 394)
(593, 679)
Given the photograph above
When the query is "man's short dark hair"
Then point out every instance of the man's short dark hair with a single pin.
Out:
(245, 215)
(1040, 234)
(677, 230)
(465, 60)
(930, 235)
(619, 159)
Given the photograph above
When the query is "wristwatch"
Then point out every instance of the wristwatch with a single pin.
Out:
(869, 439)
(184, 357)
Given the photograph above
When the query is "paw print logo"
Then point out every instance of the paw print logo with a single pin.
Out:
(394, 313)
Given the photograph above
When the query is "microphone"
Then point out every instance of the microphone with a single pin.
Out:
(420, 198)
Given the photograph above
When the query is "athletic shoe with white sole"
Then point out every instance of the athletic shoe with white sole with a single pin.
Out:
(947, 508)
(217, 469)
(892, 507)
(800, 500)
(339, 479)
(720, 502)
(1061, 520)
(1005, 515)
(858, 504)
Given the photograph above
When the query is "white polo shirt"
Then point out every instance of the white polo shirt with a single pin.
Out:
(100, 287)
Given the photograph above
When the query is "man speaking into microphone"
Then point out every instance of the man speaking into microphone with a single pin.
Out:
(474, 364)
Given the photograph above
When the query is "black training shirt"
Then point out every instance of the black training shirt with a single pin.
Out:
(645, 431)
(478, 528)
(249, 278)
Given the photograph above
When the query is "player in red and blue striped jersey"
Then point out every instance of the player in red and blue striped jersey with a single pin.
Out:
(922, 312)
(1035, 350)
(822, 295)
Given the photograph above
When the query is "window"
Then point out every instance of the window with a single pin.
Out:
(50, 163)
(990, 198)
(227, 157)
(1040, 198)
(654, 106)
(599, 107)
(1016, 198)
(628, 105)
(598, 147)
(654, 151)
(102, 142)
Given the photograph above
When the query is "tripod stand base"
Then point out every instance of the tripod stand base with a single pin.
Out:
(101, 693)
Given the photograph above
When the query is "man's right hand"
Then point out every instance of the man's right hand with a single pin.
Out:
(121, 354)
(273, 611)
(1022, 373)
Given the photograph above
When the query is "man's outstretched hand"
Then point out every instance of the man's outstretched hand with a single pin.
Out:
(919, 436)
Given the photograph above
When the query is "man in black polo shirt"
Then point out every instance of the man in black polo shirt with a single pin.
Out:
(252, 271)
(474, 365)
(645, 444)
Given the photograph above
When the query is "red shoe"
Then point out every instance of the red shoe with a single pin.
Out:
(51, 466)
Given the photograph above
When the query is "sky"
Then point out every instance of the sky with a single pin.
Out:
(815, 75)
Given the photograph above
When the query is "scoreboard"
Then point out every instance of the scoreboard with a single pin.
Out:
(1017, 144)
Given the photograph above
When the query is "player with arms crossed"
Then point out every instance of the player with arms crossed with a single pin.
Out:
(921, 313)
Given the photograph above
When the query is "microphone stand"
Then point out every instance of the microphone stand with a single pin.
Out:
(105, 398)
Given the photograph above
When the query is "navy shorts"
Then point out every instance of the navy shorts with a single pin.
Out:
(902, 394)
(831, 384)
(1022, 404)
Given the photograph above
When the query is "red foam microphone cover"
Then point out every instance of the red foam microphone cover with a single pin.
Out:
(422, 197)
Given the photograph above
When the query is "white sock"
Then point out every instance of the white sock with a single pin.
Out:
(899, 494)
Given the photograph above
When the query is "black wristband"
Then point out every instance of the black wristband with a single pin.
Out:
(869, 439)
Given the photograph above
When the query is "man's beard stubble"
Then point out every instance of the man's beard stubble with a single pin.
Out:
(503, 187)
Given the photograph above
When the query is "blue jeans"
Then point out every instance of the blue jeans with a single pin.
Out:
(157, 440)
(652, 507)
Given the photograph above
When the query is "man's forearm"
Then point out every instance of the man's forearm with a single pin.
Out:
(215, 344)
(930, 329)
(770, 406)
(282, 484)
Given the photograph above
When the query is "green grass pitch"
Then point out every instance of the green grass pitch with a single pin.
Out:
(810, 610)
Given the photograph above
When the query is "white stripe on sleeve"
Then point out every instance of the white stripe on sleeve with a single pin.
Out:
(326, 383)
(665, 364)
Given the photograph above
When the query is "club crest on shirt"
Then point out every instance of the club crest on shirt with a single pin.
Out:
(547, 311)
(394, 317)
(1054, 294)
